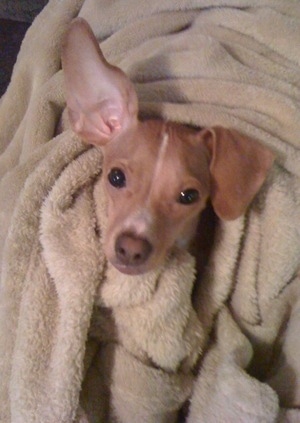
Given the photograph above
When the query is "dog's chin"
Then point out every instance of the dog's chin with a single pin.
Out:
(131, 270)
(154, 263)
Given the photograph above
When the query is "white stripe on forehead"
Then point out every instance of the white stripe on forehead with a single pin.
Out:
(141, 221)
(160, 157)
(161, 153)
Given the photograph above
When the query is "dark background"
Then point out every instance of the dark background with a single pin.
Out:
(15, 18)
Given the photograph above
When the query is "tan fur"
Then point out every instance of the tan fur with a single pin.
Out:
(159, 159)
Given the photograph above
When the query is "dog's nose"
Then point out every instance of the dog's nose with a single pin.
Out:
(132, 250)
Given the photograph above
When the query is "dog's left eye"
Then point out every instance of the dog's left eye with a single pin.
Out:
(117, 178)
(189, 196)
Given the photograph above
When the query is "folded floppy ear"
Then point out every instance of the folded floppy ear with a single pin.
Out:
(238, 168)
(101, 100)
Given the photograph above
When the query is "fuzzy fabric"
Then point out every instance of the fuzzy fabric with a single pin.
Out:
(80, 342)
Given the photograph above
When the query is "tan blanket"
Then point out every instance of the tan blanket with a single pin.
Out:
(79, 342)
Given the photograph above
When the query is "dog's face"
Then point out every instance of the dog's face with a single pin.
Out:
(157, 183)
(157, 175)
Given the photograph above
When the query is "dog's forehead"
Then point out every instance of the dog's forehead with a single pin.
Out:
(166, 140)
(142, 140)
(156, 147)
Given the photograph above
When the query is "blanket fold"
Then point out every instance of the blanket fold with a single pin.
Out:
(80, 342)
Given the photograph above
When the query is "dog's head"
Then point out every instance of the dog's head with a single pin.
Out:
(157, 175)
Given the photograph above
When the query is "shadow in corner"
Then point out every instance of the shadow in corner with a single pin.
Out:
(11, 36)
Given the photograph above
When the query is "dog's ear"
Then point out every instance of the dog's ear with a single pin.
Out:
(101, 100)
(238, 168)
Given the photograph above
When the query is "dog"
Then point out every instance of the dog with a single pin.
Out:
(158, 175)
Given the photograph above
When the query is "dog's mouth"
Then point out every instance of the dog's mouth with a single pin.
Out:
(130, 269)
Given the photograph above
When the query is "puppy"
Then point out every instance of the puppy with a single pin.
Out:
(157, 175)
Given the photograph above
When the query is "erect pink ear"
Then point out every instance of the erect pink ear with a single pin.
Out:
(101, 100)
(238, 168)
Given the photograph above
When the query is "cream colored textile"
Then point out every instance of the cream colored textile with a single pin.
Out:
(81, 342)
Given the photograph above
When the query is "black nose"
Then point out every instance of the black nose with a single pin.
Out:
(132, 250)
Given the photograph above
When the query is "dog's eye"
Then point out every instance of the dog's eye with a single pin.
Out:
(117, 178)
(189, 196)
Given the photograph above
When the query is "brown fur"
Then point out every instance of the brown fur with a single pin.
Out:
(159, 160)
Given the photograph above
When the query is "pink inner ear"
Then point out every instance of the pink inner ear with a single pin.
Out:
(101, 99)
(96, 126)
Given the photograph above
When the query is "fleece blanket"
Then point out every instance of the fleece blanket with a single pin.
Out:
(80, 342)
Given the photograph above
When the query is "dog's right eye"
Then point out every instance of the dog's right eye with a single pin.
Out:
(117, 178)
